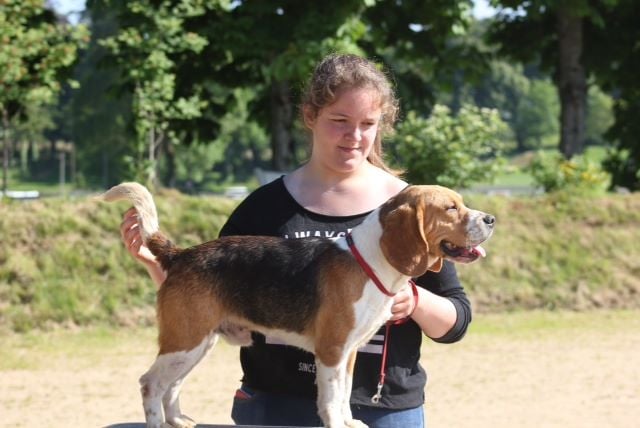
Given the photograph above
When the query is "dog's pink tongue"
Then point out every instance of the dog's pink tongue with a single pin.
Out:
(479, 251)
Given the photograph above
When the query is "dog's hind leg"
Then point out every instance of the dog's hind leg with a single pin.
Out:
(161, 385)
(171, 399)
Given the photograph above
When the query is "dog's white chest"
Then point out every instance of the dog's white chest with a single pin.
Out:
(372, 310)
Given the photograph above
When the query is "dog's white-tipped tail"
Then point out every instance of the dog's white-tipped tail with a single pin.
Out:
(142, 201)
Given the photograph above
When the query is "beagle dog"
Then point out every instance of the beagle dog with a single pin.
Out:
(316, 294)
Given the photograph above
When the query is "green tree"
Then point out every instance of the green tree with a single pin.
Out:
(150, 37)
(29, 133)
(430, 46)
(537, 115)
(574, 40)
(449, 150)
(241, 146)
(552, 33)
(528, 104)
(97, 117)
(36, 55)
(600, 116)
(272, 47)
(614, 58)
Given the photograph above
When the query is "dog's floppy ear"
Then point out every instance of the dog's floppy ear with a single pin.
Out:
(403, 242)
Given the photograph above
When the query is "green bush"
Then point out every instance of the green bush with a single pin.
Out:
(624, 168)
(453, 151)
(578, 175)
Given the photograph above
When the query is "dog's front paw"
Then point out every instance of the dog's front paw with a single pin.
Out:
(354, 423)
(181, 421)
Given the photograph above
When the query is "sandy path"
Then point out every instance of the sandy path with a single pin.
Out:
(581, 377)
(93, 391)
(583, 381)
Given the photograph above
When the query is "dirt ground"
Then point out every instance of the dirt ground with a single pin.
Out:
(565, 377)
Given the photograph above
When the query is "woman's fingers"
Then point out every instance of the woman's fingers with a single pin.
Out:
(129, 223)
(132, 239)
(402, 305)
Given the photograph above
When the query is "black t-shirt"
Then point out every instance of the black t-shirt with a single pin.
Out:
(275, 367)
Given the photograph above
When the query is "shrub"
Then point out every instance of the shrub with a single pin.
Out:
(624, 168)
(453, 151)
(577, 175)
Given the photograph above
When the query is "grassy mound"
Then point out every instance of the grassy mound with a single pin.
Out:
(62, 262)
(559, 251)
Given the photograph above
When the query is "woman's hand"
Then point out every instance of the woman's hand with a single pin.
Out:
(130, 233)
(404, 304)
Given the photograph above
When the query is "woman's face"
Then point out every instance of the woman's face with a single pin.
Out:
(344, 132)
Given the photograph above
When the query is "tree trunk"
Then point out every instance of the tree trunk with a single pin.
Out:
(155, 139)
(571, 81)
(281, 124)
(5, 150)
(151, 157)
(169, 156)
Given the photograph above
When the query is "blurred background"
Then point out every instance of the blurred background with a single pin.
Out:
(202, 96)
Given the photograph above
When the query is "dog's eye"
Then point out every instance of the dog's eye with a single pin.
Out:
(452, 208)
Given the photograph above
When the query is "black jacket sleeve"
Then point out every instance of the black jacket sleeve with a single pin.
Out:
(446, 284)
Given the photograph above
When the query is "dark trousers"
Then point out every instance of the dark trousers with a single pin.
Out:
(252, 407)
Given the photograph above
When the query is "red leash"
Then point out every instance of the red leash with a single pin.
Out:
(383, 366)
(371, 274)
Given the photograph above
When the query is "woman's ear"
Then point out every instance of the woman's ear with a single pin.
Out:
(308, 116)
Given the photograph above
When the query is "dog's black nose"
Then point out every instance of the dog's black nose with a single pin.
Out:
(489, 220)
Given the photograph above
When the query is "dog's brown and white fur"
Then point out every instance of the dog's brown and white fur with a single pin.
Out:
(312, 293)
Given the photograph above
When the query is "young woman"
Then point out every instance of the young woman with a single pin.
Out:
(348, 107)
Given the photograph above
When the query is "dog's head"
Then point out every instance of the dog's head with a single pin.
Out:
(423, 225)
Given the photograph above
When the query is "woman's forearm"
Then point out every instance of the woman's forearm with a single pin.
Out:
(157, 274)
(434, 314)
